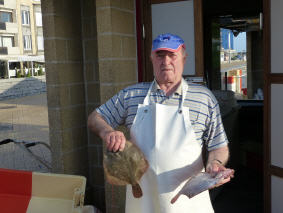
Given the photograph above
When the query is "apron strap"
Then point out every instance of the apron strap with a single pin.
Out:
(184, 92)
(146, 99)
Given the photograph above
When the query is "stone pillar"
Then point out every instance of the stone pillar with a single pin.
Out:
(117, 68)
(65, 86)
(93, 100)
(90, 53)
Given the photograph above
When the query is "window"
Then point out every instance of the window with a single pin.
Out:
(5, 16)
(6, 41)
(40, 44)
(25, 17)
(38, 19)
(14, 65)
(27, 42)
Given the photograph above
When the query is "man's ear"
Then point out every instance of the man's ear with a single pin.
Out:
(185, 58)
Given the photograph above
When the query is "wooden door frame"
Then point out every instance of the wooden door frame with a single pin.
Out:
(269, 78)
(144, 37)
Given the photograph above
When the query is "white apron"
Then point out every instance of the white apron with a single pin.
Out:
(167, 139)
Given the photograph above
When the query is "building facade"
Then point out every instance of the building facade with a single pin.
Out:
(226, 37)
(21, 37)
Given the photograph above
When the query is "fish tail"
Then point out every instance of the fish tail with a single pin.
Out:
(137, 191)
(174, 199)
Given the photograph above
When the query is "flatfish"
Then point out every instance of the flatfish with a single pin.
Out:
(125, 167)
(201, 182)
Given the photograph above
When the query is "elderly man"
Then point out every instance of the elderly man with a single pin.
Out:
(169, 120)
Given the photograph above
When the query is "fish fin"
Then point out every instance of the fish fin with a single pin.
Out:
(137, 191)
(174, 199)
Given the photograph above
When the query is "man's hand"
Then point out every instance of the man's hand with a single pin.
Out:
(214, 167)
(115, 140)
(217, 158)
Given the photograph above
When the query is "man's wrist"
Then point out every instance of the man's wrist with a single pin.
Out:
(217, 160)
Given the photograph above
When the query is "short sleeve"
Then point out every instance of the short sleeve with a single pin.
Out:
(216, 136)
(113, 111)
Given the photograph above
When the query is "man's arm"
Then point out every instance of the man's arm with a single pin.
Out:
(115, 140)
(216, 161)
(217, 157)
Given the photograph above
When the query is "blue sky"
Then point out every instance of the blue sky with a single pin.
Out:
(240, 42)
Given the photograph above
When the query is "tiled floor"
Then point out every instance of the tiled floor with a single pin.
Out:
(244, 194)
(23, 118)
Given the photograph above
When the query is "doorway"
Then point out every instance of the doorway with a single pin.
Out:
(236, 77)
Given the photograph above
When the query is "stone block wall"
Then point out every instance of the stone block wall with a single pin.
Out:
(19, 87)
(117, 68)
(90, 52)
(65, 86)
(92, 91)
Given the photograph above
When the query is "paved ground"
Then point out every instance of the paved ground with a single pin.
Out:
(26, 119)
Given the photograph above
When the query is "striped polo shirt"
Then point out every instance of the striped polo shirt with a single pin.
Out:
(204, 110)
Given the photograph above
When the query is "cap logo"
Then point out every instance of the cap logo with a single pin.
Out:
(166, 38)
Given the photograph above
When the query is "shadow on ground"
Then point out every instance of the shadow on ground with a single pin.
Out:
(24, 87)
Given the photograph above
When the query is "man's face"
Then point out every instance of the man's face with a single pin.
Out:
(168, 66)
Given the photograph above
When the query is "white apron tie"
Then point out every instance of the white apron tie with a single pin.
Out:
(167, 139)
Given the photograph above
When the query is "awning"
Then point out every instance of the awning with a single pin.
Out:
(234, 65)
(21, 58)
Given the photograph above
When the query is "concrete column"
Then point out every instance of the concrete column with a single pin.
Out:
(22, 67)
(90, 53)
(32, 71)
(115, 69)
(65, 86)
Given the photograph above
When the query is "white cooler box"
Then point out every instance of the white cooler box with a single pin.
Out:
(34, 192)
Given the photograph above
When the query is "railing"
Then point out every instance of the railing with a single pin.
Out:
(2, 26)
(1, 2)
(3, 51)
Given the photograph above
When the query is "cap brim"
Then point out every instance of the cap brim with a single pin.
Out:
(168, 49)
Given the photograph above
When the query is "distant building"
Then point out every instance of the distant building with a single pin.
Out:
(21, 37)
(226, 35)
(227, 55)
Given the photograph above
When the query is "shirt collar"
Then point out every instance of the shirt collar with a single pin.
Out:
(156, 87)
